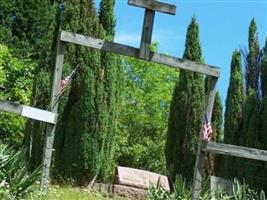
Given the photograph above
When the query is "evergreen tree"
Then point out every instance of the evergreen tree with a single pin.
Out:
(264, 70)
(186, 112)
(263, 114)
(213, 162)
(252, 59)
(35, 29)
(113, 77)
(251, 113)
(233, 111)
(29, 28)
(83, 144)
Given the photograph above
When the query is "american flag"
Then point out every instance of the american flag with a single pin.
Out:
(207, 130)
(64, 83)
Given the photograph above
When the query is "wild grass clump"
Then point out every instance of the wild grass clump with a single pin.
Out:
(15, 179)
(181, 191)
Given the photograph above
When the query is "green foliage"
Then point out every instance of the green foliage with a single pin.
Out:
(186, 112)
(113, 86)
(68, 192)
(252, 58)
(16, 182)
(34, 33)
(233, 113)
(144, 114)
(16, 82)
(217, 119)
(264, 70)
(239, 192)
(86, 131)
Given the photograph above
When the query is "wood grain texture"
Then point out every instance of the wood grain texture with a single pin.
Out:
(237, 151)
(28, 111)
(50, 129)
(154, 5)
(144, 52)
(199, 165)
(134, 52)
(9, 106)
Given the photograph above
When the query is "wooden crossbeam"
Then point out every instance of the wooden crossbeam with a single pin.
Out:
(151, 7)
(154, 5)
(134, 52)
(237, 151)
(27, 111)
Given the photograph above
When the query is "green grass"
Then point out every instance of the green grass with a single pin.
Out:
(69, 193)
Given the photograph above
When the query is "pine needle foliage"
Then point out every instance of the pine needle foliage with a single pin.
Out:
(186, 112)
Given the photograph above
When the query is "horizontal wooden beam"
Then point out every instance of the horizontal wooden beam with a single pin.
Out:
(154, 5)
(134, 52)
(8, 106)
(27, 111)
(237, 151)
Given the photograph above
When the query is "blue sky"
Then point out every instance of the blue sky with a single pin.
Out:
(223, 28)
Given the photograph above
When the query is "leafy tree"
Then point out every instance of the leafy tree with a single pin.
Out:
(15, 85)
(186, 112)
(144, 115)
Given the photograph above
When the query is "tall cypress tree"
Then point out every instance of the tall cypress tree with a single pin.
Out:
(186, 112)
(263, 116)
(251, 115)
(216, 123)
(83, 146)
(112, 85)
(233, 111)
(43, 48)
(252, 59)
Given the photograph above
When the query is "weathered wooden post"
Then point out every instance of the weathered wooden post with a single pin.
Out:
(150, 8)
(50, 129)
(199, 166)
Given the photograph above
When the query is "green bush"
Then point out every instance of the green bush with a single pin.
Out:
(16, 77)
(15, 180)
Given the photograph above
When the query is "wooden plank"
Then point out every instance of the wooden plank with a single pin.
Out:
(134, 52)
(199, 165)
(144, 52)
(50, 129)
(38, 114)
(237, 151)
(154, 5)
(9, 106)
(27, 111)
(141, 178)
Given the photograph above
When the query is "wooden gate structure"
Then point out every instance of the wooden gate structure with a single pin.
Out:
(143, 53)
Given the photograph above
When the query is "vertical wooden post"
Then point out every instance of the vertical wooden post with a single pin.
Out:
(199, 166)
(50, 129)
(147, 34)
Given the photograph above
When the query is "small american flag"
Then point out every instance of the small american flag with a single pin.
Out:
(64, 83)
(207, 130)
